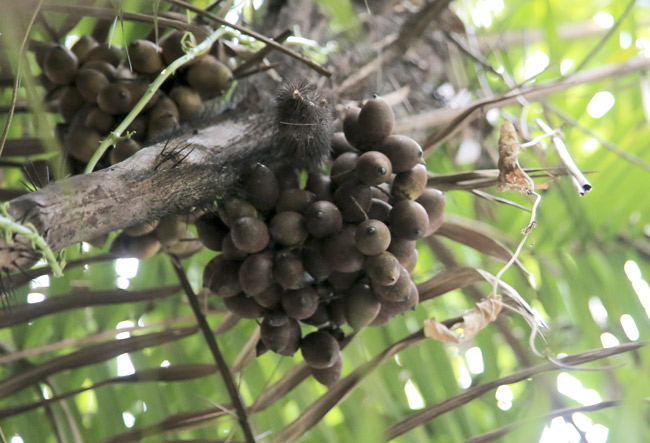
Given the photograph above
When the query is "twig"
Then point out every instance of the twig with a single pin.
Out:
(428, 414)
(116, 135)
(605, 37)
(19, 65)
(259, 55)
(214, 349)
(579, 180)
(316, 67)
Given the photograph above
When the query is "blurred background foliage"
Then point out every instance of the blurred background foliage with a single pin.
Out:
(588, 257)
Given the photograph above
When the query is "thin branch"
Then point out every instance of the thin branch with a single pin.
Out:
(428, 414)
(214, 349)
(242, 69)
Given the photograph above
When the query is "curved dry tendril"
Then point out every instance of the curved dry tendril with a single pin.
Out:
(9, 227)
(116, 135)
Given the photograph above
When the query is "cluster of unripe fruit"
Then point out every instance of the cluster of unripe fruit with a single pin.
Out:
(94, 88)
(338, 250)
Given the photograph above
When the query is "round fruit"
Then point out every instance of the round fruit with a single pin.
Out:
(123, 150)
(383, 269)
(372, 237)
(209, 76)
(379, 210)
(244, 306)
(70, 102)
(99, 120)
(136, 247)
(288, 270)
(188, 102)
(260, 187)
(433, 201)
(328, 376)
(250, 234)
(169, 230)
(411, 184)
(81, 143)
(294, 199)
(320, 349)
(322, 219)
(398, 292)
(376, 120)
(295, 335)
(229, 251)
(232, 209)
(351, 126)
(288, 228)
(115, 98)
(83, 46)
(373, 168)
(273, 331)
(269, 298)
(405, 252)
(353, 199)
(343, 167)
(361, 306)
(403, 152)
(340, 145)
(60, 65)
(314, 262)
(141, 229)
(341, 252)
(89, 83)
(145, 56)
(320, 185)
(300, 303)
(256, 273)
(408, 220)
(222, 278)
(106, 52)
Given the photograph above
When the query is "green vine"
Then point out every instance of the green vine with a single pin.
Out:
(10, 226)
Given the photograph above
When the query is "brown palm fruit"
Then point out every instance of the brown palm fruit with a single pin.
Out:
(383, 269)
(260, 348)
(169, 230)
(89, 83)
(295, 334)
(123, 150)
(104, 67)
(320, 185)
(46, 82)
(314, 262)
(300, 303)
(186, 247)
(336, 309)
(361, 306)
(379, 210)
(288, 228)
(145, 56)
(188, 102)
(340, 145)
(141, 229)
(81, 143)
(288, 177)
(403, 152)
(382, 192)
(323, 219)
(372, 237)
(269, 298)
(328, 376)
(162, 119)
(211, 231)
(319, 318)
(250, 234)
(320, 349)
(392, 308)
(83, 46)
(172, 47)
(343, 280)
(70, 102)
(244, 306)
(115, 98)
(99, 120)
(232, 209)
(209, 76)
(230, 251)
(397, 292)
(106, 52)
(60, 65)
(433, 202)
(353, 199)
(408, 220)
(405, 252)
(288, 270)
(139, 128)
(376, 120)
(411, 184)
(373, 168)
(274, 331)
(260, 187)
(296, 200)
(135, 247)
(40, 50)
(256, 273)
(341, 252)
(343, 167)
(351, 126)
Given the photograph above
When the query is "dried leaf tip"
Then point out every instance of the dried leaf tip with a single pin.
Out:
(511, 176)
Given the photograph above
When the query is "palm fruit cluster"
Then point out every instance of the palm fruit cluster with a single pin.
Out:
(338, 250)
(93, 86)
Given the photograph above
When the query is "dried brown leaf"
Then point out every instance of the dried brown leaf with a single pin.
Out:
(475, 319)
(511, 176)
